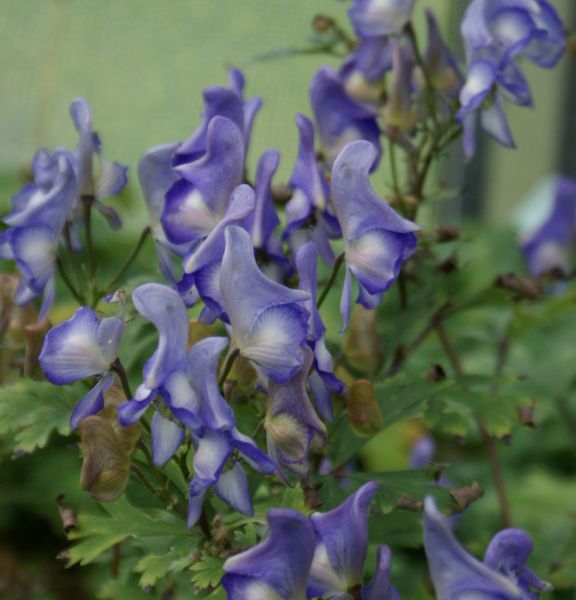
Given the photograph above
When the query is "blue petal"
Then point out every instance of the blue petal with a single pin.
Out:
(87, 146)
(381, 588)
(92, 402)
(167, 436)
(113, 178)
(343, 537)
(164, 308)
(232, 487)
(34, 249)
(379, 17)
(71, 350)
(278, 567)
(129, 412)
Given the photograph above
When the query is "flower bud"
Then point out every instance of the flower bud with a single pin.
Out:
(363, 410)
(362, 345)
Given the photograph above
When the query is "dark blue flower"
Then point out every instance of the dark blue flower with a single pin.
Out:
(278, 567)
(456, 574)
(81, 347)
(377, 239)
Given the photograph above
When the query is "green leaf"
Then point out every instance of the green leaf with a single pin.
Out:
(98, 533)
(207, 572)
(154, 566)
(117, 590)
(32, 410)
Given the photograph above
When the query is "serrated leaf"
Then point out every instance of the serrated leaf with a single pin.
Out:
(32, 410)
(154, 566)
(98, 533)
(207, 572)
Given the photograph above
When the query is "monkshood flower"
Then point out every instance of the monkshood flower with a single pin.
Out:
(40, 212)
(262, 223)
(458, 575)
(363, 70)
(112, 176)
(488, 83)
(267, 320)
(529, 28)
(322, 380)
(224, 102)
(81, 347)
(220, 444)
(309, 215)
(400, 111)
(197, 202)
(278, 567)
(341, 547)
(372, 18)
(157, 176)
(550, 245)
(165, 372)
(291, 422)
(377, 239)
(339, 118)
(442, 67)
(202, 265)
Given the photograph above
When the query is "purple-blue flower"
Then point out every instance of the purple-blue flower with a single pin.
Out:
(323, 383)
(339, 118)
(456, 574)
(373, 18)
(341, 548)
(309, 215)
(222, 102)
(377, 239)
(550, 245)
(291, 422)
(529, 28)
(220, 444)
(267, 320)
(197, 202)
(81, 347)
(278, 567)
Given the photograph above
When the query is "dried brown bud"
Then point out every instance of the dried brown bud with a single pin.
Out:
(523, 287)
(526, 415)
(106, 464)
(449, 264)
(322, 23)
(447, 233)
(436, 373)
(363, 409)
(67, 514)
(406, 503)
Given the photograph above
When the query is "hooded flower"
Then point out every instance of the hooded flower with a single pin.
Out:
(267, 320)
(550, 245)
(377, 239)
(322, 380)
(373, 18)
(309, 216)
(196, 203)
(291, 423)
(81, 347)
(341, 547)
(456, 574)
(340, 119)
(278, 567)
(528, 28)
(223, 102)
(220, 444)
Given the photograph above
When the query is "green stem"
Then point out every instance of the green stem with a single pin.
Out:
(488, 440)
(87, 201)
(228, 367)
(335, 268)
(62, 272)
(128, 263)
(393, 164)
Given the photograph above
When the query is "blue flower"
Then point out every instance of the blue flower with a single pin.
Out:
(341, 547)
(197, 202)
(278, 567)
(549, 246)
(81, 347)
(267, 320)
(456, 574)
(291, 423)
(339, 118)
(309, 215)
(528, 28)
(377, 239)
(372, 18)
